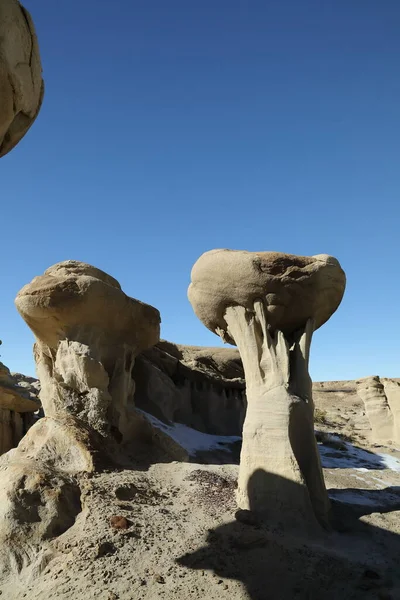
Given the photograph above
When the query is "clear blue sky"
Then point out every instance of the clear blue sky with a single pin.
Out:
(170, 128)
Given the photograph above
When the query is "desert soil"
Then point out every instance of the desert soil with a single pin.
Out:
(155, 529)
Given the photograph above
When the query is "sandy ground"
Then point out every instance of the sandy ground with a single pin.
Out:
(176, 535)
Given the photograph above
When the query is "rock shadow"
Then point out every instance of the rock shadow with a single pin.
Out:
(275, 562)
(361, 502)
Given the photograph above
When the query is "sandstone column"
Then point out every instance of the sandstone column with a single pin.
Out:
(269, 304)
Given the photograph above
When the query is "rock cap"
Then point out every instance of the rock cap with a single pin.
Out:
(292, 288)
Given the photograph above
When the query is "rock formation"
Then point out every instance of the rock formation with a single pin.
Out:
(381, 399)
(88, 333)
(21, 83)
(17, 406)
(269, 304)
(202, 388)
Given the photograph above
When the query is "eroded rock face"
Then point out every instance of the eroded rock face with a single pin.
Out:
(292, 288)
(37, 503)
(88, 333)
(381, 397)
(18, 403)
(269, 305)
(21, 83)
(202, 388)
(14, 396)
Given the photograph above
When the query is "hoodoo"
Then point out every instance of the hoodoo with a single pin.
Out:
(269, 304)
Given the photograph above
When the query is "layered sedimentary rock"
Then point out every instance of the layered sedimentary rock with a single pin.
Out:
(202, 388)
(381, 397)
(269, 304)
(17, 407)
(21, 83)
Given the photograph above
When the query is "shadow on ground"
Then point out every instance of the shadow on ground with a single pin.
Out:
(356, 561)
(344, 455)
(365, 502)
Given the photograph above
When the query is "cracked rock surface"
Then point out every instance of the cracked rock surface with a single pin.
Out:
(21, 83)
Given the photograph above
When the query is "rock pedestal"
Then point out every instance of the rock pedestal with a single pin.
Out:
(269, 304)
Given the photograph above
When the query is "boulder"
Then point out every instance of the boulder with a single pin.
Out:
(21, 83)
(292, 288)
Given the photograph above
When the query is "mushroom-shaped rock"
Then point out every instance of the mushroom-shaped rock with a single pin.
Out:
(381, 399)
(269, 304)
(88, 333)
(292, 288)
(21, 83)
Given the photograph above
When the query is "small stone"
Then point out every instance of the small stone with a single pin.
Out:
(247, 517)
(159, 578)
(119, 522)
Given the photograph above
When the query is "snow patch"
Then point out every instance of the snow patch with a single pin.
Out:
(391, 462)
(192, 440)
(351, 457)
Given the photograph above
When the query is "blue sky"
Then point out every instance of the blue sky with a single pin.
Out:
(171, 128)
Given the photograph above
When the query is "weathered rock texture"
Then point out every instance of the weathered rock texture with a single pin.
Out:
(88, 333)
(381, 399)
(17, 405)
(203, 388)
(269, 305)
(21, 83)
(293, 288)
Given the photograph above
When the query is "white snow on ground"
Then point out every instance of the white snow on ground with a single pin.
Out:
(346, 456)
(192, 440)
(351, 457)
(391, 462)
